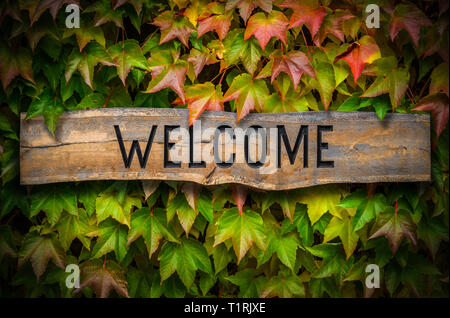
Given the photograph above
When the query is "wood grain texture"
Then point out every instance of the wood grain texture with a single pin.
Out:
(364, 149)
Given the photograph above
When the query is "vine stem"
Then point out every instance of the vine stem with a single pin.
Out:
(307, 46)
(221, 78)
(108, 97)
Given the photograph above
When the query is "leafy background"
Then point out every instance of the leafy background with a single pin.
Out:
(153, 239)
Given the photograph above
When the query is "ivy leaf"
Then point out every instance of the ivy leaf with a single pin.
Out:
(7, 246)
(86, 61)
(14, 62)
(439, 79)
(237, 49)
(201, 97)
(320, 200)
(192, 192)
(244, 229)
(291, 103)
(167, 71)
(360, 53)
(186, 214)
(303, 225)
(117, 203)
(395, 225)
(305, 13)
(104, 13)
(201, 58)
(185, 258)
(152, 226)
(85, 35)
(293, 63)
(326, 82)
(332, 24)
(432, 232)
(11, 196)
(53, 200)
(112, 236)
(40, 250)
(283, 286)
(265, 27)
(438, 104)
(72, 226)
(395, 83)
(127, 55)
(48, 106)
(239, 193)
(218, 22)
(367, 207)
(285, 200)
(249, 94)
(103, 277)
(173, 27)
(246, 7)
(53, 5)
(344, 229)
(408, 16)
(284, 245)
(249, 282)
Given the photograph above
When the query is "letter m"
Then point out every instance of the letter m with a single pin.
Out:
(135, 147)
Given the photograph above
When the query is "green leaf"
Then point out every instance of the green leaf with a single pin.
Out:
(127, 55)
(40, 250)
(53, 200)
(244, 229)
(249, 282)
(320, 200)
(71, 226)
(239, 50)
(249, 94)
(432, 232)
(117, 203)
(344, 229)
(152, 226)
(85, 62)
(49, 106)
(185, 213)
(185, 258)
(112, 236)
(395, 83)
(283, 286)
(86, 34)
(367, 207)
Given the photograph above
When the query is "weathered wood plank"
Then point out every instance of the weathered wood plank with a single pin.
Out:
(362, 148)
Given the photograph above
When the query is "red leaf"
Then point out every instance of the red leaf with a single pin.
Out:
(220, 23)
(173, 27)
(294, 63)
(167, 71)
(265, 27)
(438, 104)
(333, 25)
(304, 14)
(409, 17)
(239, 193)
(200, 59)
(203, 97)
(246, 7)
(359, 54)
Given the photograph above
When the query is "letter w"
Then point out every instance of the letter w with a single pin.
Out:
(135, 147)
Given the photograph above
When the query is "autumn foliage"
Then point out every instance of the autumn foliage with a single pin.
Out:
(153, 239)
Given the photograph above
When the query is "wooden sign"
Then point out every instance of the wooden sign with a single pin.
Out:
(266, 151)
